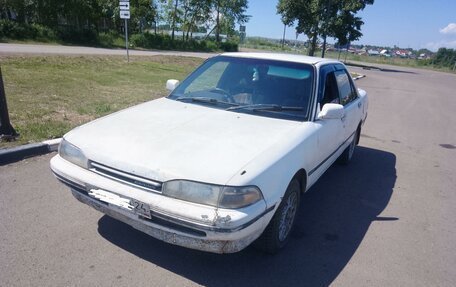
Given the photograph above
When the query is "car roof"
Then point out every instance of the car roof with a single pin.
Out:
(281, 57)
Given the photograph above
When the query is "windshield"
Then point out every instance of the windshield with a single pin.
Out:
(263, 87)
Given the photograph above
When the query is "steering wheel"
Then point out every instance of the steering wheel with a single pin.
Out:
(229, 98)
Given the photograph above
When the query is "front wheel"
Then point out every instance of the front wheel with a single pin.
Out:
(277, 233)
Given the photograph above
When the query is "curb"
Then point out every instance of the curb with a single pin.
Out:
(366, 67)
(359, 77)
(14, 154)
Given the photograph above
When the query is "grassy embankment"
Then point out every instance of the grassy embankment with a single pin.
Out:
(343, 56)
(47, 96)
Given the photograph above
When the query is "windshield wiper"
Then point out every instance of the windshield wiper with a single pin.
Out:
(198, 99)
(266, 107)
(204, 100)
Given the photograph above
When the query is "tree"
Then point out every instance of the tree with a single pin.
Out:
(172, 10)
(174, 16)
(445, 58)
(424, 51)
(323, 18)
(232, 10)
(142, 12)
(346, 28)
(199, 12)
(24, 9)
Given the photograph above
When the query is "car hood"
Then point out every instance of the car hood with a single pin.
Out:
(166, 139)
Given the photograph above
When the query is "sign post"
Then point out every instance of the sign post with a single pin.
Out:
(7, 131)
(126, 40)
(124, 6)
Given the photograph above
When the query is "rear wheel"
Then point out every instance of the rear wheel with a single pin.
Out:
(277, 234)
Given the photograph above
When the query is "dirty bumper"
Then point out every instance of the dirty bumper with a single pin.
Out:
(203, 243)
(174, 221)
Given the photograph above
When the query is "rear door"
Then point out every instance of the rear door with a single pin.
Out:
(348, 97)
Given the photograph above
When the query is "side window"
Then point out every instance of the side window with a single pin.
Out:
(345, 87)
(330, 92)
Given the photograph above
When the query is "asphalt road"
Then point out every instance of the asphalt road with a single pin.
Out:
(387, 219)
(27, 49)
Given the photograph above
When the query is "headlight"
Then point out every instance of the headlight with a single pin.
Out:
(236, 197)
(72, 154)
(210, 194)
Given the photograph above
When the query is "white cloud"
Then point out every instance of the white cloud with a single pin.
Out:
(434, 46)
(449, 29)
(446, 41)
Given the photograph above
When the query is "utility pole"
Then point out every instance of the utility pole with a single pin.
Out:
(283, 37)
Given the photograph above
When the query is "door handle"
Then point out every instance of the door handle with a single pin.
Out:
(359, 105)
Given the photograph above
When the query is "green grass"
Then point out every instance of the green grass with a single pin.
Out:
(30, 41)
(47, 96)
(395, 61)
(262, 44)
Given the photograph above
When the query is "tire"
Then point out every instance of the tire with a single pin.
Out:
(277, 233)
(347, 155)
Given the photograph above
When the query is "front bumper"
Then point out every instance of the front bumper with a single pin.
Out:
(217, 234)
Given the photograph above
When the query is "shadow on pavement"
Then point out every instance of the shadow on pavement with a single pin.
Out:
(334, 218)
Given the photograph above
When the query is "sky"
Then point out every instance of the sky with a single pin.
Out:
(413, 24)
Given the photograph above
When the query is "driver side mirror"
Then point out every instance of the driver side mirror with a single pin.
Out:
(331, 111)
(171, 84)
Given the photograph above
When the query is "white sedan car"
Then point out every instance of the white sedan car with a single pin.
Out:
(222, 161)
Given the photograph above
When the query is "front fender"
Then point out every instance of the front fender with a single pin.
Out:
(274, 168)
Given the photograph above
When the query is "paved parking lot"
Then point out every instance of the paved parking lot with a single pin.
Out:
(387, 219)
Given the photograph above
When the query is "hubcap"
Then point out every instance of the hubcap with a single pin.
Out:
(287, 216)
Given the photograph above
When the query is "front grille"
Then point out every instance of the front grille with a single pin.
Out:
(130, 179)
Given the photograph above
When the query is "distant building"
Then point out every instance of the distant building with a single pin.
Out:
(424, 56)
(403, 53)
(385, 53)
(373, 52)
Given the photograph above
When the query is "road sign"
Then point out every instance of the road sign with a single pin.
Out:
(124, 5)
(124, 14)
